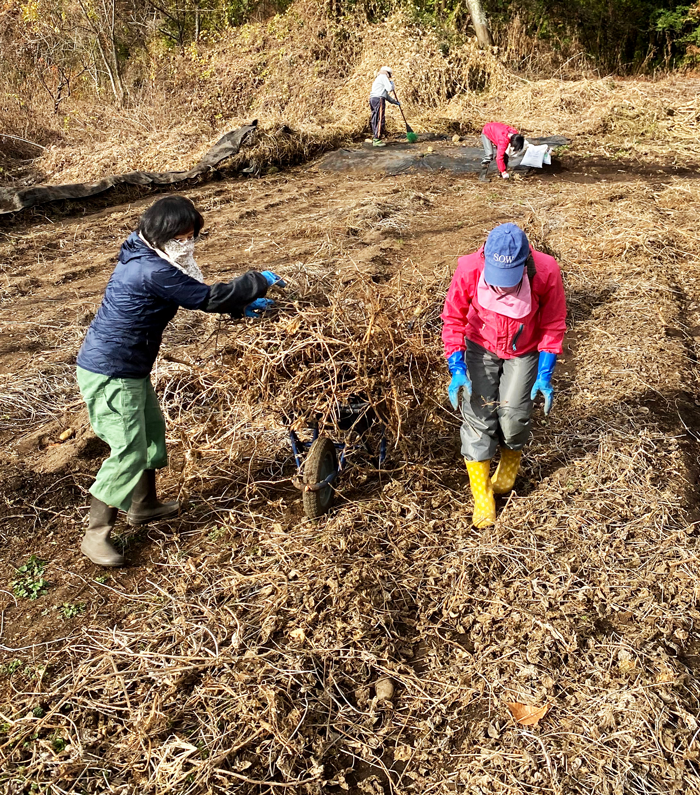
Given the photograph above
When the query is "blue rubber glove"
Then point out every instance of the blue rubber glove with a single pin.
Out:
(545, 370)
(258, 307)
(460, 379)
(272, 279)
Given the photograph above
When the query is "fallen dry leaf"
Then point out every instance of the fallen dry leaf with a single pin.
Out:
(298, 635)
(527, 714)
(293, 326)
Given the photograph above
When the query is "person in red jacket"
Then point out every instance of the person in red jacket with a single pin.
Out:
(499, 141)
(503, 325)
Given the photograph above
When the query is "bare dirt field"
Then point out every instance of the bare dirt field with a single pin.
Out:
(241, 647)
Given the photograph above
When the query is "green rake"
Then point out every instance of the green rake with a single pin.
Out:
(411, 137)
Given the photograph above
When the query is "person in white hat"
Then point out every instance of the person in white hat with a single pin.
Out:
(380, 94)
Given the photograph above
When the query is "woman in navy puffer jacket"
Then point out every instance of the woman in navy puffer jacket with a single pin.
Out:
(156, 274)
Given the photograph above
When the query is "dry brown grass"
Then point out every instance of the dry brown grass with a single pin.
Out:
(307, 79)
(250, 661)
(303, 69)
(250, 658)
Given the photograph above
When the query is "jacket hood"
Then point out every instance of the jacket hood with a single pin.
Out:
(133, 247)
(479, 254)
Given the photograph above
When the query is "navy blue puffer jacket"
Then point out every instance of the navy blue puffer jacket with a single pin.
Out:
(142, 297)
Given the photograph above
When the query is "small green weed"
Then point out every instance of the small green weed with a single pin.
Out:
(58, 744)
(217, 533)
(30, 584)
(11, 667)
(102, 578)
(68, 610)
(32, 672)
(36, 672)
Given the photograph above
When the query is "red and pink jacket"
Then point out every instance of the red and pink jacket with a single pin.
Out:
(464, 318)
(499, 134)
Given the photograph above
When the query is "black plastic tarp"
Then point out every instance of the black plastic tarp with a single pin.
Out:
(11, 201)
(402, 158)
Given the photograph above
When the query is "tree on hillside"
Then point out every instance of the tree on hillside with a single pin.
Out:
(483, 33)
(99, 18)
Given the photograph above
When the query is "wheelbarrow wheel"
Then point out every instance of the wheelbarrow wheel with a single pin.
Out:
(320, 463)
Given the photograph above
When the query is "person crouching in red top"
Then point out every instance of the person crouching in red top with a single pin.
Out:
(503, 326)
(499, 141)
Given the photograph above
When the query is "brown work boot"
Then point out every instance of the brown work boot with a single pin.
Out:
(96, 544)
(145, 506)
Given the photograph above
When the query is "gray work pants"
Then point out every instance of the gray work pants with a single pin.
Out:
(489, 149)
(499, 411)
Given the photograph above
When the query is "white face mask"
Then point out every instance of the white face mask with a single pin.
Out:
(507, 290)
(181, 255)
(180, 251)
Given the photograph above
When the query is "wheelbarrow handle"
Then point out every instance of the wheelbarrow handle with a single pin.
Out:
(298, 484)
(294, 441)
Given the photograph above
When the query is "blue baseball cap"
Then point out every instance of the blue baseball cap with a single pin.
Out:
(505, 252)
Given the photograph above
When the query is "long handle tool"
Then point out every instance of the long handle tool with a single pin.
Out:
(411, 137)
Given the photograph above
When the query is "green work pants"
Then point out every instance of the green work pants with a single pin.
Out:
(124, 413)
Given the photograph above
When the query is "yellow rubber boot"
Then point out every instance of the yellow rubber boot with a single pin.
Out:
(482, 491)
(507, 470)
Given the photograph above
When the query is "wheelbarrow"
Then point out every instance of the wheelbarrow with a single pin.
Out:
(317, 472)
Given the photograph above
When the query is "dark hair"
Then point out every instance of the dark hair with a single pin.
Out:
(517, 142)
(167, 218)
